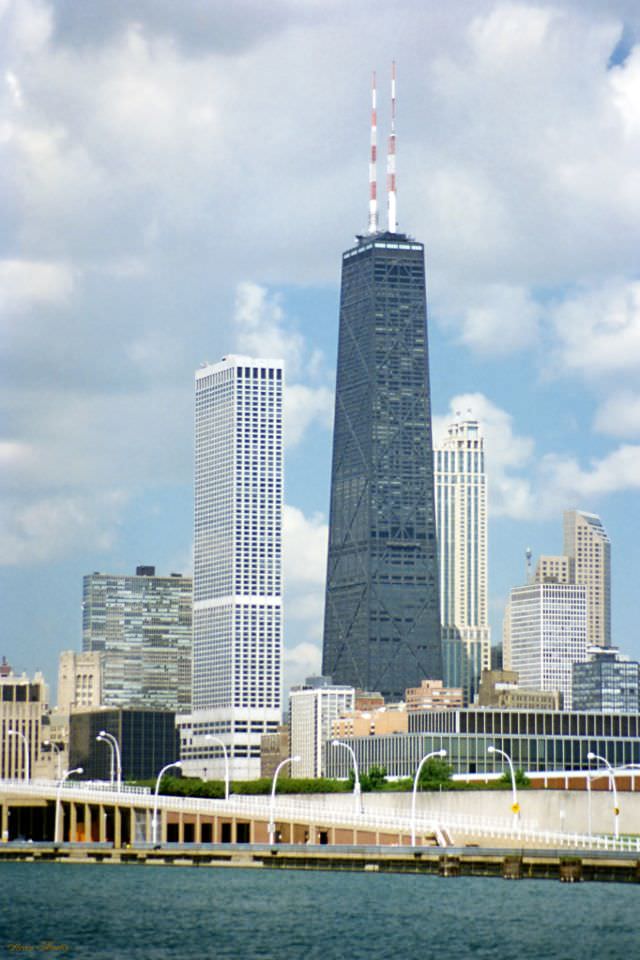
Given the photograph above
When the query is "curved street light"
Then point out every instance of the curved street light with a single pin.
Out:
(357, 789)
(111, 739)
(27, 762)
(427, 756)
(612, 787)
(154, 821)
(515, 806)
(54, 746)
(56, 829)
(210, 736)
(272, 806)
(112, 755)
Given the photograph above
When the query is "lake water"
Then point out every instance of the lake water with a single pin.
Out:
(107, 912)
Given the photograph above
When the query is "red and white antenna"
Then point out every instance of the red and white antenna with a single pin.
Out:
(391, 159)
(373, 183)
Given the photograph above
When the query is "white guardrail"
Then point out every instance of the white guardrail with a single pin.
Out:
(259, 807)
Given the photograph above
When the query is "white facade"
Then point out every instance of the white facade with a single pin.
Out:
(237, 637)
(313, 710)
(548, 635)
(461, 520)
(588, 548)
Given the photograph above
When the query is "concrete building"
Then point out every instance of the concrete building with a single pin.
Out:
(23, 711)
(364, 723)
(606, 683)
(313, 708)
(433, 695)
(551, 569)
(588, 548)
(548, 635)
(500, 689)
(79, 680)
(274, 748)
(142, 627)
(536, 741)
(237, 637)
(461, 521)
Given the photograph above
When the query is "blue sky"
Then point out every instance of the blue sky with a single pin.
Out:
(179, 181)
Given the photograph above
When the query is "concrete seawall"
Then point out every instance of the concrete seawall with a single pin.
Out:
(564, 865)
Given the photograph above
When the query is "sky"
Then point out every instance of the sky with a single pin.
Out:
(178, 182)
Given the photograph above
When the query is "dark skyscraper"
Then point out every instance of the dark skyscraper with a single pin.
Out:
(382, 613)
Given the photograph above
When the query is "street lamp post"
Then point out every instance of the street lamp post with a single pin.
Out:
(612, 787)
(56, 829)
(154, 821)
(272, 807)
(27, 763)
(217, 740)
(54, 746)
(427, 756)
(357, 789)
(112, 755)
(110, 737)
(515, 806)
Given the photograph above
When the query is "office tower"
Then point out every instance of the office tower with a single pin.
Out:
(237, 640)
(461, 522)
(314, 706)
(142, 627)
(548, 635)
(606, 683)
(382, 610)
(588, 548)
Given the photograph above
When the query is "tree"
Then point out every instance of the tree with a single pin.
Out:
(435, 773)
(522, 780)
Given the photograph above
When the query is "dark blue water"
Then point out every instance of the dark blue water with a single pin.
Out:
(121, 912)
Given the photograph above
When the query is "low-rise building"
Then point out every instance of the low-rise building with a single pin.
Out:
(147, 740)
(433, 695)
(499, 688)
(535, 740)
(606, 682)
(313, 708)
(364, 723)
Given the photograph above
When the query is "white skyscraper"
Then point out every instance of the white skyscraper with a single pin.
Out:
(548, 635)
(461, 521)
(237, 637)
(314, 706)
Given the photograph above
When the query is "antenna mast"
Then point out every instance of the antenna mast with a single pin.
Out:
(373, 185)
(391, 159)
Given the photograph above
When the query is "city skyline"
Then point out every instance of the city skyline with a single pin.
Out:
(166, 205)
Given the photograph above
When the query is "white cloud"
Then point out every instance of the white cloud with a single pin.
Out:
(562, 479)
(25, 284)
(619, 414)
(598, 331)
(47, 529)
(502, 320)
(305, 542)
(299, 662)
(260, 328)
(304, 406)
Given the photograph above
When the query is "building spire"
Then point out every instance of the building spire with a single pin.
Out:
(373, 183)
(391, 160)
